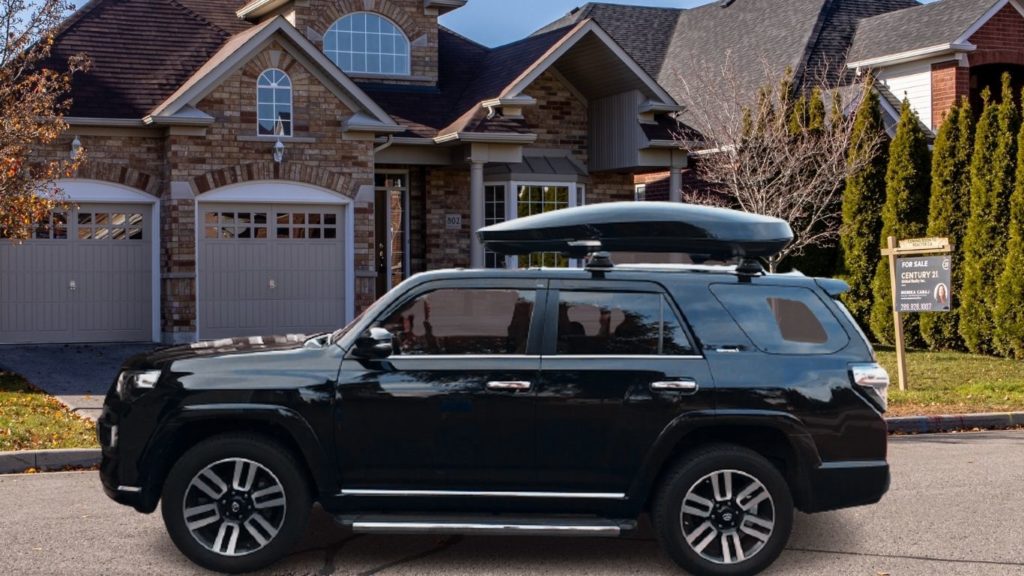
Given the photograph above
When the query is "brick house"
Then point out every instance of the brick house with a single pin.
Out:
(277, 166)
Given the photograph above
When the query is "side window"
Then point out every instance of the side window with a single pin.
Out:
(618, 324)
(463, 322)
(783, 320)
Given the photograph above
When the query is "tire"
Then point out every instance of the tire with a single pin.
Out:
(717, 502)
(236, 503)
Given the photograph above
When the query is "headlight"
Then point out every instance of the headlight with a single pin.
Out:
(874, 380)
(129, 381)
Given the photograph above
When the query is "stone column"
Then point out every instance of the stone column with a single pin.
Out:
(476, 213)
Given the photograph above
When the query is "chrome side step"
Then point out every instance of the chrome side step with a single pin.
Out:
(487, 525)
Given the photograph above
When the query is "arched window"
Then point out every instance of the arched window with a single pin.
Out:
(274, 103)
(367, 43)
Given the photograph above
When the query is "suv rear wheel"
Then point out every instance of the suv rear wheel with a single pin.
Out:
(724, 510)
(235, 503)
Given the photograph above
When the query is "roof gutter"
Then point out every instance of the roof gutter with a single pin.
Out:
(105, 122)
(912, 55)
(258, 8)
(486, 138)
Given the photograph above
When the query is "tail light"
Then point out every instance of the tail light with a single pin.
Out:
(874, 380)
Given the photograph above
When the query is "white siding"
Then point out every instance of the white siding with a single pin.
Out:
(914, 81)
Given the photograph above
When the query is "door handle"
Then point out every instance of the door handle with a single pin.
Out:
(506, 386)
(682, 385)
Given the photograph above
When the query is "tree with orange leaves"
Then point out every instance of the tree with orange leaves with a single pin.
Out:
(33, 101)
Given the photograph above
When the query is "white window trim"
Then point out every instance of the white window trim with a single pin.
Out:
(291, 104)
(406, 226)
(577, 191)
(405, 73)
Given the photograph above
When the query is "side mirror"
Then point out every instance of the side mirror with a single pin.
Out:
(374, 344)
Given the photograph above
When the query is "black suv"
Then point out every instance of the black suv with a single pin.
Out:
(542, 401)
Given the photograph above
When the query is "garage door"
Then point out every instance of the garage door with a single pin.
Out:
(271, 269)
(84, 276)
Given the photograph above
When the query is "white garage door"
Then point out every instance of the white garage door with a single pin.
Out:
(84, 276)
(271, 269)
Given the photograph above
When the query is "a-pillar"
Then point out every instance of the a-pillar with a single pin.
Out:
(476, 213)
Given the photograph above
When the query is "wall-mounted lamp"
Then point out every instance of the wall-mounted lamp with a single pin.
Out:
(76, 148)
(279, 152)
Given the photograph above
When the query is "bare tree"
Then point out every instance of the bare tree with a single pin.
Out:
(774, 150)
(33, 99)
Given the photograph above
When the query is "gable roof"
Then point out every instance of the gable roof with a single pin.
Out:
(919, 28)
(160, 43)
(241, 47)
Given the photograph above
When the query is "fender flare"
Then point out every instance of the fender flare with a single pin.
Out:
(319, 463)
(800, 441)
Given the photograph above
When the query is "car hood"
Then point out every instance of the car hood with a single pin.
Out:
(164, 357)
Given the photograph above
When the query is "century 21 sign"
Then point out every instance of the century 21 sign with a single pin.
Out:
(923, 284)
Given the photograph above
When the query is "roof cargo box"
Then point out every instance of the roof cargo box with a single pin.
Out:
(652, 227)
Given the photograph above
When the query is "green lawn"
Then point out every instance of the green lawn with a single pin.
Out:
(32, 420)
(954, 383)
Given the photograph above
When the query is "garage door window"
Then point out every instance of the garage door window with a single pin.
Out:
(110, 226)
(307, 226)
(232, 225)
(53, 227)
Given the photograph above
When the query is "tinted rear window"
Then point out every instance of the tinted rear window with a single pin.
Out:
(783, 320)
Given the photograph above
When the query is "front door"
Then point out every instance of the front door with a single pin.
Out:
(618, 366)
(452, 409)
(390, 230)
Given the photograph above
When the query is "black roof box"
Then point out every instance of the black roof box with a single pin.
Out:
(653, 227)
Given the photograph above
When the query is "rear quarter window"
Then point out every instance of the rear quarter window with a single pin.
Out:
(783, 320)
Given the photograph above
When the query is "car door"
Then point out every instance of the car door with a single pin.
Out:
(618, 366)
(452, 409)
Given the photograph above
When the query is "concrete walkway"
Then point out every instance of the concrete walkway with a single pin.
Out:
(79, 375)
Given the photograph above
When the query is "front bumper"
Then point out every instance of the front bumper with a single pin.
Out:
(118, 472)
(836, 485)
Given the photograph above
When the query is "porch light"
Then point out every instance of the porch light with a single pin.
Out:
(279, 151)
(76, 148)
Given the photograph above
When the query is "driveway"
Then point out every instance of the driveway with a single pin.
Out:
(954, 509)
(79, 375)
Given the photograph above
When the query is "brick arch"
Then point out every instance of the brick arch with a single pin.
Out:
(985, 57)
(270, 170)
(119, 174)
(276, 56)
(331, 14)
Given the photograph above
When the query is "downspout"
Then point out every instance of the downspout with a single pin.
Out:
(387, 144)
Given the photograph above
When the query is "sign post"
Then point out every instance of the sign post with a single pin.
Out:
(920, 283)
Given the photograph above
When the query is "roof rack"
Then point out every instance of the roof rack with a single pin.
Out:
(702, 232)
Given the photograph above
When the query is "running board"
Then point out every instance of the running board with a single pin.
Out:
(486, 525)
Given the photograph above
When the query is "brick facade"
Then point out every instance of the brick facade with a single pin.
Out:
(559, 118)
(998, 41)
(950, 82)
(315, 17)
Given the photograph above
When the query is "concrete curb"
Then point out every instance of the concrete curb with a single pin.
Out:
(949, 423)
(48, 460)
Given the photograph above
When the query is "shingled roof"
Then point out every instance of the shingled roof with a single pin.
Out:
(916, 28)
(159, 45)
(809, 36)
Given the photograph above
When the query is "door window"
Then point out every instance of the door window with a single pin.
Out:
(618, 324)
(463, 322)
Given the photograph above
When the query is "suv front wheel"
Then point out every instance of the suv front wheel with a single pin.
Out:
(235, 503)
(724, 510)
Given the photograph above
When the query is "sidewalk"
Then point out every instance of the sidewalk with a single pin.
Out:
(78, 375)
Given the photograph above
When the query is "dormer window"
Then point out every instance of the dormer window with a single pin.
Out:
(274, 103)
(367, 43)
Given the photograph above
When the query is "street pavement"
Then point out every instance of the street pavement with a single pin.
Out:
(79, 375)
(955, 508)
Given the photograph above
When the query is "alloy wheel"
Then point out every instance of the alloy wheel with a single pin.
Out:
(727, 517)
(234, 507)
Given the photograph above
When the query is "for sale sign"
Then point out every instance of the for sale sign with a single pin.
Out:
(923, 284)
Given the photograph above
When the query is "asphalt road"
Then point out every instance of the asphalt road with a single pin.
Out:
(956, 507)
